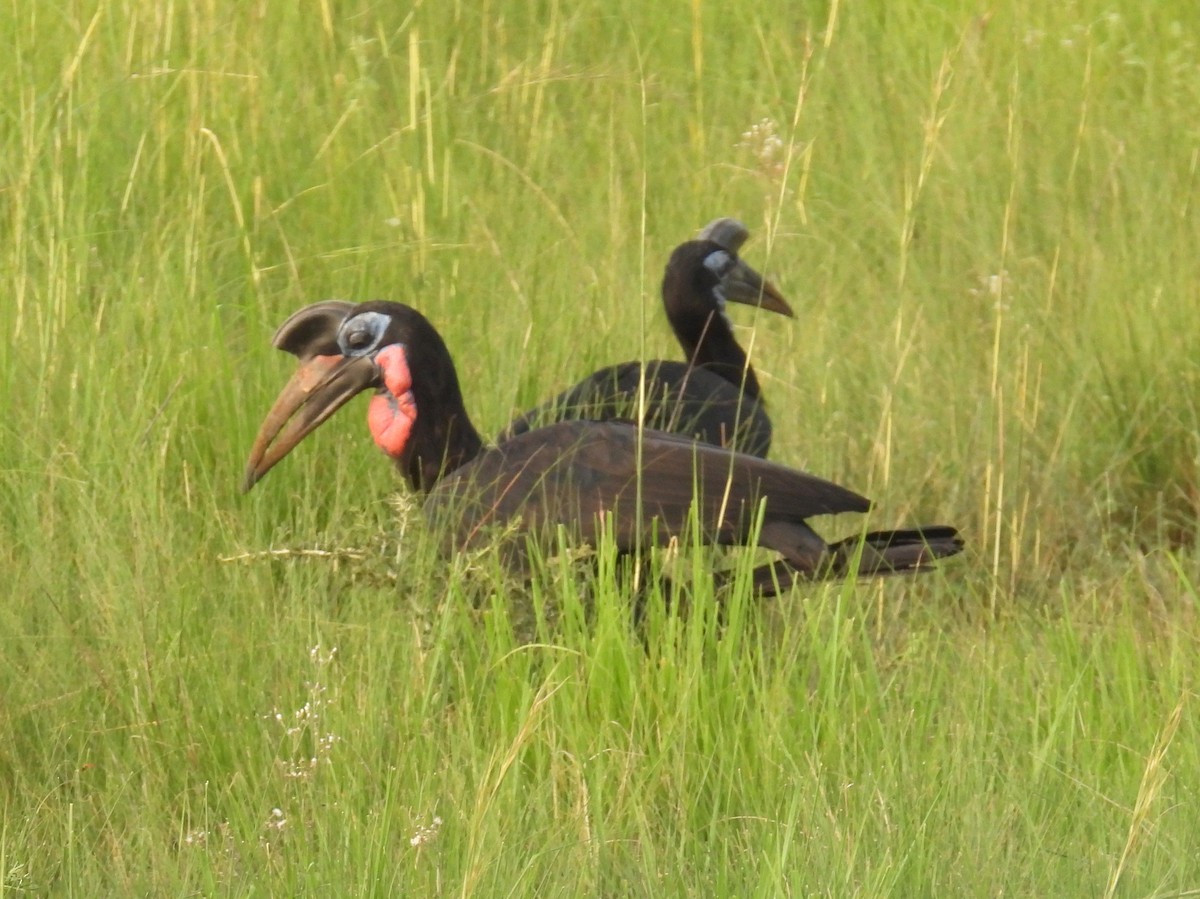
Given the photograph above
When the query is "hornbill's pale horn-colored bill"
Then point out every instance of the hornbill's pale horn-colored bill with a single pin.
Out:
(742, 284)
(321, 386)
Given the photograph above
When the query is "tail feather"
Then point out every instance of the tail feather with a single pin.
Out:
(874, 554)
(891, 552)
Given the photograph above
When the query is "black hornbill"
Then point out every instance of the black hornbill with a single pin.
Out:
(714, 395)
(591, 477)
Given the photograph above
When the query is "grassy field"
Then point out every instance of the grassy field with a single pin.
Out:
(987, 225)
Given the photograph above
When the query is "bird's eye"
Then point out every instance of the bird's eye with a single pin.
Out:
(358, 339)
(719, 262)
(362, 334)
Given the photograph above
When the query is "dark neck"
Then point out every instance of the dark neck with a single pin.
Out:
(708, 342)
(443, 438)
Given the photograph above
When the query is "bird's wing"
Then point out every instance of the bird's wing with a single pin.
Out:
(678, 398)
(576, 473)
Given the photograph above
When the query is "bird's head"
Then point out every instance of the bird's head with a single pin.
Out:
(344, 349)
(704, 274)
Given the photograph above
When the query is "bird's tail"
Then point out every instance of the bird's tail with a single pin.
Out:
(892, 552)
(867, 555)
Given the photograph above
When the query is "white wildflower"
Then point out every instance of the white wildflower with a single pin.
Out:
(195, 837)
(763, 142)
(426, 834)
(276, 821)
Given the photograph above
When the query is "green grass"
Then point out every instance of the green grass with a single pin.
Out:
(987, 226)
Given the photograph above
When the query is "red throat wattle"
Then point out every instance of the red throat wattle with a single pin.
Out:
(393, 411)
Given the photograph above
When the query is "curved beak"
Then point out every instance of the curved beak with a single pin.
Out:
(742, 284)
(321, 386)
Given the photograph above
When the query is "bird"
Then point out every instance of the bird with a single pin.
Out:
(591, 477)
(714, 395)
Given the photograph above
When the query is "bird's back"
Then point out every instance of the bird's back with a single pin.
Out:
(589, 476)
(664, 396)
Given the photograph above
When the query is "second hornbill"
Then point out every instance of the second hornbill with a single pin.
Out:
(714, 396)
(590, 477)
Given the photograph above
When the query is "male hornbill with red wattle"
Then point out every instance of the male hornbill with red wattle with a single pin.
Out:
(587, 476)
(714, 396)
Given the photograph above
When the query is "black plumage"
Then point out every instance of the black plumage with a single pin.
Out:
(714, 395)
(637, 484)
